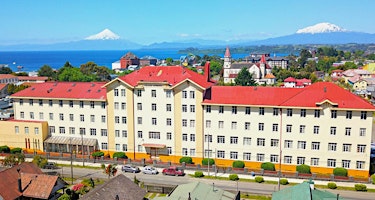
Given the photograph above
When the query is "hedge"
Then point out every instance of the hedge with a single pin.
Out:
(198, 174)
(284, 181)
(205, 161)
(373, 178)
(119, 155)
(238, 164)
(303, 169)
(187, 160)
(4, 149)
(97, 154)
(331, 185)
(16, 150)
(340, 171)
(268, 166)
(233, 177)
(360, 187)
(259, 179)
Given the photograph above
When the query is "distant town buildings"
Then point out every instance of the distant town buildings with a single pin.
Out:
(291, 82)
(130, 61)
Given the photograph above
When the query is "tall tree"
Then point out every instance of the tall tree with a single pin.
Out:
(5, 70)
(244, 78)
(46, 70)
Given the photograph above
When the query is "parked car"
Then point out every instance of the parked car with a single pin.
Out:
(150, 170)
(173, 171)
(130, 168)
(50, 165)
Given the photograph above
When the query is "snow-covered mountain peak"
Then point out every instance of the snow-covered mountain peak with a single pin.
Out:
(106, 34)
(322, 28)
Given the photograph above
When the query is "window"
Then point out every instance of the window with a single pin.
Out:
(221, 124)
(192, 123)
(233, 140)
(288, 144)
(184, 122)
(169, 107)
(333, 131)
(123, 119)
(220, 154)
(153, 107)
(153, 93)
(192, 137)
(247, 125)
(92, 131)
(192, 94)
(274, 142)
(348, 114)
(124, 147)
(140, 149)
(361, 148)
(117, 119)
(61, 103)
(314, 161)
(302, 128)
(275, 127)
(51, 129)
(27, 130)
(234, 109)
(234, 125)
(139, 106)
(21, 102)
(40, 102)
(289, 112)
(300, 160)
(169, 136)
(138, 93)
(261, 126)
(233, 155)
(247, 111)
(22, 115)
(81, 104)
(36, 130)
(288, 128)
(122, 92)
(333, 114)
(208, 109)
(153, 121)
(103, 132)
(169, 122)
(139, 120)
(17, 129)
(104, 145)
(50, 103)
(207, 138)
(315, 145)
(103, 118)
(140, 134)
(192, 108)
(207, 153)
(260, 142)
(71, 117)
(303, 112)
(50, 116)
(124, 133)
(346, 163)
(332, 146)
(184, 137)
(346, 147)
(62, 130)
(92, 118)
(208, 123)
(331, 163)
(184, 108)
(274, 158)
(260, 157)
(61, 116)
(184, 94)
(116, 105)
(123, 106)
(169, 150)
(92, 104)
(31, 102)
(246, 156)
(116, 92)
(288, 159)
(362, 132)
(275, 111)
(301, 145)
(117, 146)
(168, 94)
(154, 135)
(360, 164)
(32, 115)
(221, 109)
(192, 152)
(347, 131)
(316, 130)
(82, 118)
(363, 115)
(72, 130)
(317, 113)
(261, 111)
(82, 131)
(221, 139)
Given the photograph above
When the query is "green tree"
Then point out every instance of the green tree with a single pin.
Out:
(244, 78)
(215, 67)
(74, 74)
(304, 55)
(169, 61)
(46, 70)
(40, 161)
(5, 70)
(14, 159)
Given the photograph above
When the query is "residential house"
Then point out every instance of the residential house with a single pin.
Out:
(336, 74)
(291, 82)
(351, 76)
(148, 61)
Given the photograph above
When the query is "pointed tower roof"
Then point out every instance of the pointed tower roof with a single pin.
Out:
(263, 59)
(227, 53)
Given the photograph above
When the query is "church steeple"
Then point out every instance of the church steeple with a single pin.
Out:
(227, 59)
(227, 53)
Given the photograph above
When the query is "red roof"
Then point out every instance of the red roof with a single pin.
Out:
(287, 97)
(32, 78)
(172, 75)
(2, 85)
(6, 76)
(38, 186)
(290, 79)
(65, 90)
(227, 53)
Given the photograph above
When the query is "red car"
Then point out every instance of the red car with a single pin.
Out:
(173, 171)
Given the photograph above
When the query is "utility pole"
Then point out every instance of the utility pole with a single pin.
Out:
(280, 142)
(208, 155)
(83, 156)
(71, 160)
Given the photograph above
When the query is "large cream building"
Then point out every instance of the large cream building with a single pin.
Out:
(165, 113)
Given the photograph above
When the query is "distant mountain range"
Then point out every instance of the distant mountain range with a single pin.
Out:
(322, 33)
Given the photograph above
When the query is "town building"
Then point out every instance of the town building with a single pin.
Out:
(291, 82)
(275, 61)
(165, 113)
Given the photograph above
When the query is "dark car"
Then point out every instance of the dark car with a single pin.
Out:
(173, 171)
(50, 165)
(130, 168)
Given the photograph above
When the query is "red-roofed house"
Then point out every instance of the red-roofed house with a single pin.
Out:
(291, 82)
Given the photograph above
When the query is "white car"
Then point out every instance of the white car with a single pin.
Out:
(150, 170)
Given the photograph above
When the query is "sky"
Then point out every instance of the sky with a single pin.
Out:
(150, 21)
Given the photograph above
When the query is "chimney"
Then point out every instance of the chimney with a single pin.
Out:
(19, 180)
(207, 71)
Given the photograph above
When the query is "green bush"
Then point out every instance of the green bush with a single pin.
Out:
(16, 150)
(331, 185)
(238, 164)
(119, 155)
(259, 179)
(284, 181)
(303, 169)
(97, 154)
(373, 178)
(205, 161)
(198, 174)
(4, 149)
(102, 166)
(340, 171)
(187, 160)
(360, 187)
(233, 177)
(40, 161)
(268, 166)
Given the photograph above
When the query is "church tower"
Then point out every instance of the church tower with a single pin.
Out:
(227, 65)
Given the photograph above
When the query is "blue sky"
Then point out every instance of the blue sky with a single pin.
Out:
(148, 21)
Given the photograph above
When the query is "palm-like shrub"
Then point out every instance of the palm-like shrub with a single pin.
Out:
(40, 161)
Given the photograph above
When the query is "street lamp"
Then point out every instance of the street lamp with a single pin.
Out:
(83, 158)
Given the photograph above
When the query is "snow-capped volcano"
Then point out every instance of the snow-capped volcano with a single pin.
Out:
(106, 34)
(322, 28)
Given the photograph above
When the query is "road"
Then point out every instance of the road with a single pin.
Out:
(251, 187)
